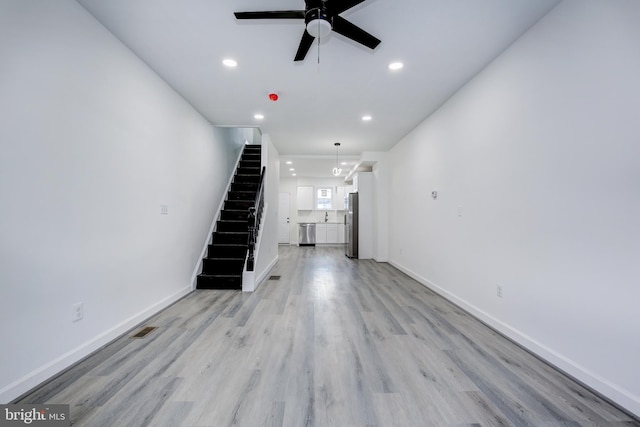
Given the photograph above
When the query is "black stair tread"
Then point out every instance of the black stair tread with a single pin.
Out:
(220, 282)
(241, 195)
(204, 275)
(217, 258)
(220, 275)
(234, 245)
(232, 256)
(238, 204)
(229, 246)
(243, 213)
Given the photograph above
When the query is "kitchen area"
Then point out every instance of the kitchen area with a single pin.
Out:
(315, 211)
(320, 214)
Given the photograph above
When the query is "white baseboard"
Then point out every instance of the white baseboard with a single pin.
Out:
(249, 281)
(266, 271)
(618, 396)
(56, 366)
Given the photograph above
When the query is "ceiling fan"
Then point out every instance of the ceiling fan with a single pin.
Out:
(320, 17)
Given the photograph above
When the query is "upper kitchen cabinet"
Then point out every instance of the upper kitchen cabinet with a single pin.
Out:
(341, 193)
(305, 199)
(339, 200)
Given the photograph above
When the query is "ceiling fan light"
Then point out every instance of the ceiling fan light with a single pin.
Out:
(337, 171)
(318, 28)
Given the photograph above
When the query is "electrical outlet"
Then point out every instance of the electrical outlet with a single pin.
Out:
(499, 290)
(164, 210)
(78, 312)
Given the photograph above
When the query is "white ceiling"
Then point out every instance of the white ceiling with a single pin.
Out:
(442, 43)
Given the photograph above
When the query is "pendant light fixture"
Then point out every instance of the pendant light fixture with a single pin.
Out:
(337, 171)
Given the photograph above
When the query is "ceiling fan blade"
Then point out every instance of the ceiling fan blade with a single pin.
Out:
(273, 14)
(353, 32)
(305, 45)
(342, 5)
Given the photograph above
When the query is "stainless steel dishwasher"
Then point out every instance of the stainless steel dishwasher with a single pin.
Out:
(307, 234)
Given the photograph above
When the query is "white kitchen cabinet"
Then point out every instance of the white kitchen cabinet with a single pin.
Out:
(341, 193)
(329, 233)
(305, 198)
(339, 200)
(341, 233)
(321, 233)
(332, 233)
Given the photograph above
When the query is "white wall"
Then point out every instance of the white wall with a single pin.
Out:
(539, 154)
(380, 168)
(92, 144)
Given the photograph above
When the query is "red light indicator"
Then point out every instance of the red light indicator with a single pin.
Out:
(273, 96)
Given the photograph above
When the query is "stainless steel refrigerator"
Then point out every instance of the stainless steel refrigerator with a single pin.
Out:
(351, 225)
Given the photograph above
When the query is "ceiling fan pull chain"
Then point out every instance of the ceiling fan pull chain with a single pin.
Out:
(319, 40)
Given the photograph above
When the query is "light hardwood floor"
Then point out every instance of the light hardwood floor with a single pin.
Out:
(333, 342)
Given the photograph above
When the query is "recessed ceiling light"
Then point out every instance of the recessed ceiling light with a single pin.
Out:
(258, 116)
(289, 162)
(291, 169)
(366, 118)
(344, 163)
(396, 66)
(293, 174)
(228, 62)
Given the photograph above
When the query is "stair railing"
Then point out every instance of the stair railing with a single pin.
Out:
(255, 213)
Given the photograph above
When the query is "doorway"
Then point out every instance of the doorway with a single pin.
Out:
(284, 218)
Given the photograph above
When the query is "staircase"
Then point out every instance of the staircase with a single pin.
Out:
(223, 266)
